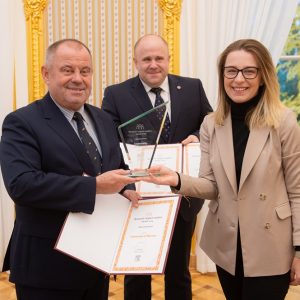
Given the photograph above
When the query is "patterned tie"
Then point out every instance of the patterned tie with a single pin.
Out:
(89, 144)
(160, 113)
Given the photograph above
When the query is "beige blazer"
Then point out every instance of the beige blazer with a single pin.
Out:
(267, 204)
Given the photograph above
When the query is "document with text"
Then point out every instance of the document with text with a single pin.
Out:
(120, 239)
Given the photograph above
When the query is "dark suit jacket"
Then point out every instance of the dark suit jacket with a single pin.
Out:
(42, 161)
(189, 106)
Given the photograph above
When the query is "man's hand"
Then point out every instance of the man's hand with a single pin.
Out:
(113, 181)
(190, 139)
(133, 196)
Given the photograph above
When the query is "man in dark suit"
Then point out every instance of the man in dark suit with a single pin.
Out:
(188, 107)
(48, 173)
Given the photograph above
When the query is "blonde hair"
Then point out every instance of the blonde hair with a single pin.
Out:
(269, 109)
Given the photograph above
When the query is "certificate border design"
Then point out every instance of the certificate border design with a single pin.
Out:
(156, 267)
(186, 161)
(178, 148)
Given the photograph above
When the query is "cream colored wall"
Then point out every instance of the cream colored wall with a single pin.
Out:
(109, 28)
(13, 92)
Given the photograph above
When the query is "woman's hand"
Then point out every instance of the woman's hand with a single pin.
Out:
(295, 272)
(161, 175)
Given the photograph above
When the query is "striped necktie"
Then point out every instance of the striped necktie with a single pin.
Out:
(88, 143)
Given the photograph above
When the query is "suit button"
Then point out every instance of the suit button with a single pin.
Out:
(267, 225)
(262, 196)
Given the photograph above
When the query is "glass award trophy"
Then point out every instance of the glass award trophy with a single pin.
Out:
(142, 130)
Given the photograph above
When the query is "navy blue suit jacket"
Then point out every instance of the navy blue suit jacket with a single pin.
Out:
(42, 161)
(189, 106)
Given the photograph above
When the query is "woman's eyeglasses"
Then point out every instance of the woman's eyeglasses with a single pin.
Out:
(248, 73)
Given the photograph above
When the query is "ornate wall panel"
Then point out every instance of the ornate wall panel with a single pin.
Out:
(171, 30)
(109, 28)
(33, 10)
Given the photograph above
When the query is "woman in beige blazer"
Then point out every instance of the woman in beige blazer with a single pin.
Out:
(250, 169)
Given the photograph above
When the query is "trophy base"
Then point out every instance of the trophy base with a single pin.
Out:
(141, 173)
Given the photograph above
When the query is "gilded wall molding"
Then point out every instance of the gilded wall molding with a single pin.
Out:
(171, 31)
(33, 10)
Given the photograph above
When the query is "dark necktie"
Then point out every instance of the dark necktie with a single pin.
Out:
(160, 113)
(89, 144)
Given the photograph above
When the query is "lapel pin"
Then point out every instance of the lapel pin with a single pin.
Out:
(178, 87)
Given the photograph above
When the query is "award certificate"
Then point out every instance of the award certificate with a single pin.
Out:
(191, 159)
(120, 239)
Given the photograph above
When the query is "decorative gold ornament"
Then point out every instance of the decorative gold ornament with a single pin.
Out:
(171, 32)
(33, 10)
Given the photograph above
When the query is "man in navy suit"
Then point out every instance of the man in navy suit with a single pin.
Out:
(48, 173)
(188, 107)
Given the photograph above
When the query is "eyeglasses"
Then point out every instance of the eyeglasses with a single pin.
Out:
(248, 73)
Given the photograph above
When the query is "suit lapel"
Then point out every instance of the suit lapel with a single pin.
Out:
(176, 92)
(225, 146)
(140, 95)
(255, 144)
(57, 121)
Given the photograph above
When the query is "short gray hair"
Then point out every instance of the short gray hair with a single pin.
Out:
(51, 50)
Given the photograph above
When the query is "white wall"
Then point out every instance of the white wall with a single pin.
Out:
(12, 52)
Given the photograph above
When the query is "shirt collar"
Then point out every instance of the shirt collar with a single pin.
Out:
(164, 86)
(68, 113)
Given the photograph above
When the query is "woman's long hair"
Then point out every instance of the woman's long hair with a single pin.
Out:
(269, 108)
